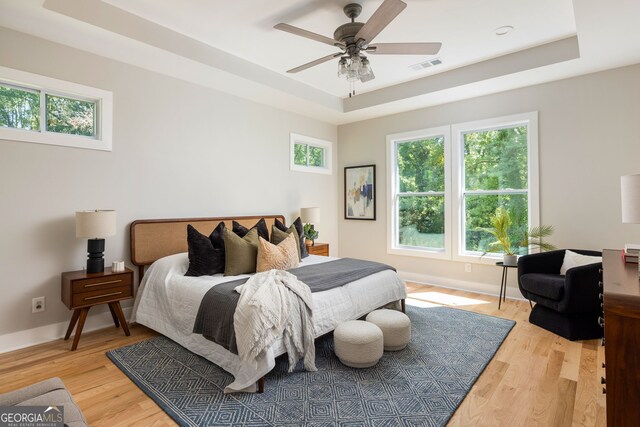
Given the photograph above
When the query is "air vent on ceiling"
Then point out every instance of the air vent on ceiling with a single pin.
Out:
(426, 64)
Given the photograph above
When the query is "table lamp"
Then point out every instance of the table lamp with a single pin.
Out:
(95, 225)
(310, 217)
(630, 191)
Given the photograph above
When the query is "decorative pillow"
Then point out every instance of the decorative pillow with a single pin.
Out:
(300, 229)
(240, 252)
(277, 257)
(242, 231)
(206, 254)
(572, 259)
(278, 236)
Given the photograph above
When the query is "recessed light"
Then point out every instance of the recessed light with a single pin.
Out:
(501, 31)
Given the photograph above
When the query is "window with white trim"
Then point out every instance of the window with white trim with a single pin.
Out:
(40, 109)
(419, 203)
(310, 154)
(446, 183)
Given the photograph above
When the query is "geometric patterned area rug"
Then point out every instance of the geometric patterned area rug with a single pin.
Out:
(421, 385)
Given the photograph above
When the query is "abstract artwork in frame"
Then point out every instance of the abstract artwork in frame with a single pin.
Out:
(360, 192)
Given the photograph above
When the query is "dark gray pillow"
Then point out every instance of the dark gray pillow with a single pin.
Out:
(278, 236)
(242, 231)
(206, 254)
(241, 253)
(299, 229)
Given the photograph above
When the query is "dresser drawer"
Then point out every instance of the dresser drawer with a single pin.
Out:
(101, 283)
(101, 296)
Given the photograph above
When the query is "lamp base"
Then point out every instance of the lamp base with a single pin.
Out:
(95, 262)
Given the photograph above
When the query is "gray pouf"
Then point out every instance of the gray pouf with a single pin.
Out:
(395, 326)
(358, 344)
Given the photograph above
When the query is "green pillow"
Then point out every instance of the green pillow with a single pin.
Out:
(241, 253)
(278, 236)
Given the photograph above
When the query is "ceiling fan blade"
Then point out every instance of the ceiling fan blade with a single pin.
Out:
(404, 48)
(314, 63)
(370, 77)
(307, 34)
(386, 13)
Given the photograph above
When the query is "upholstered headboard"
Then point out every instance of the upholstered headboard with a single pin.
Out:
(152, 239)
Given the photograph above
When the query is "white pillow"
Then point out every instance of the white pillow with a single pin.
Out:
(572, 259)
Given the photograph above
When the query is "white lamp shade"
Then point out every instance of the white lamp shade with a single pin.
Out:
(310, 215)
(95, 224)
(630, 186)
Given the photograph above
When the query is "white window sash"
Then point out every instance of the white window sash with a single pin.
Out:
(103, 117)
(393, 194)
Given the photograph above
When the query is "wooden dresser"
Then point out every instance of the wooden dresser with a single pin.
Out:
(622, 339)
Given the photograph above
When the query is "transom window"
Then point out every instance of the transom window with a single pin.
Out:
(310, 154)
(39, 109)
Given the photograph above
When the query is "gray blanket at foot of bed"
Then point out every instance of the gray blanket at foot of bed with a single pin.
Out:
(215, 315)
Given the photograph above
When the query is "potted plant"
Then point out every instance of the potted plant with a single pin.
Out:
(500, 226)
(310, 234)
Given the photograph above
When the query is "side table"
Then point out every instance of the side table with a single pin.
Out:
(82, 290)
(503, 283)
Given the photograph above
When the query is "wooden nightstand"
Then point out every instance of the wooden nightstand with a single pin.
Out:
(82, 290)
(319, 249)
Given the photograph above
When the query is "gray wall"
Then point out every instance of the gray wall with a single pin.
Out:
(179, 150)
(589, 135)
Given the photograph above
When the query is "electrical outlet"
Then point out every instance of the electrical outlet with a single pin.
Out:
(467, 267)
(37, 305)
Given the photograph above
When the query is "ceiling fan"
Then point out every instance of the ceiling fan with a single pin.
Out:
(354, 39)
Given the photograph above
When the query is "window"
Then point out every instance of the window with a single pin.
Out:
(310, 154)
(446, 183)
(497, 161)
(39, 109)
(418, 192)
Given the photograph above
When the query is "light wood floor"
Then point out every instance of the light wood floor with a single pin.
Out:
(535, 379)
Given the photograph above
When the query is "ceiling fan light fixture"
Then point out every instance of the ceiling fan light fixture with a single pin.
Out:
(354, 67)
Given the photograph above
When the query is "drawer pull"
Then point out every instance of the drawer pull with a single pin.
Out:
(603, 380)
(103, 296)
(102, 283)
(601, 321)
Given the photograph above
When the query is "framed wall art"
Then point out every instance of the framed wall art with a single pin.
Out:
(360, 192)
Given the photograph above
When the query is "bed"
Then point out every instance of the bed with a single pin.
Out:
(167, 301)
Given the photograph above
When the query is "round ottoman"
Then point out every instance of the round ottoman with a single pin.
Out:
(395, 326)
(358, 343)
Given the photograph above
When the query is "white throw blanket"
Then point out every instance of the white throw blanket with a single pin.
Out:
(273, 304)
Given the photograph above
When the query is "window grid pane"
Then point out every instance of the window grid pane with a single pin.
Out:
(70, 116)
(421, 221)
(496, 159)
(300, 154)
(316, 156)
(19, 109)
(420, 165)
(478, 210)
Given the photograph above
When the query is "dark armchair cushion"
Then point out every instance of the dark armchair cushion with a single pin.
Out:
(550, 286)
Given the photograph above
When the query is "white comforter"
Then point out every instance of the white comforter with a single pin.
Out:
(167, 302)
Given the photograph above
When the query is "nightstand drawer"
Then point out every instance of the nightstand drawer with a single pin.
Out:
(101, 283)
(101, 296)
(319, 249)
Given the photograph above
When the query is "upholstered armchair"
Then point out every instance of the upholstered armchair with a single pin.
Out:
(565, 305)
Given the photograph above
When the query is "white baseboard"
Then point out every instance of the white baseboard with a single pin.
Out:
(461, 285)
(39, 335)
